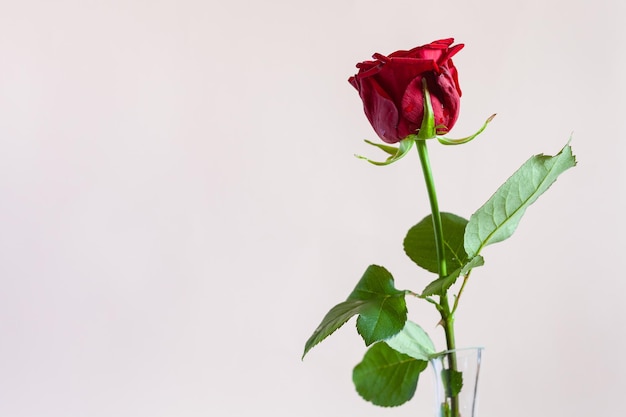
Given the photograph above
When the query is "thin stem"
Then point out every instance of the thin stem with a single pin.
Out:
(458, 296)
(434, 206)
(447, 316)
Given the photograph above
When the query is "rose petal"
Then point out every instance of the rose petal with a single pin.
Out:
(380, 109)
(413, 101)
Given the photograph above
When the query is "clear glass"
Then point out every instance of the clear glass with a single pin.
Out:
(456, 381)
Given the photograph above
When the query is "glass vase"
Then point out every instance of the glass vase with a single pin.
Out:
(456, 382)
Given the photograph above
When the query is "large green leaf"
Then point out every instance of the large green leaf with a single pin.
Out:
(498, 218)
(380, 306)
(387, 377)
(384, 313)
(419, 243)
(412, 341)
(334, 319)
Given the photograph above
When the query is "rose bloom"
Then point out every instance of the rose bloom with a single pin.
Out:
(391, 89)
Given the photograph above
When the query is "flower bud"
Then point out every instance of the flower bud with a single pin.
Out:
(392, 94)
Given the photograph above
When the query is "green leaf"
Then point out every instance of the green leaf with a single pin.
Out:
(441, 285)
(384, 313)
(498, 218)
(334, 319)
(452, 382)
(413, 341)
(419, 243)
(381, 308)
(386, 377)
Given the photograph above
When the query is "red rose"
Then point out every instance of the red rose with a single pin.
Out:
(391, 89)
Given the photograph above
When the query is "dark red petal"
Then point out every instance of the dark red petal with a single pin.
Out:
(380, 110)
(380, 57)
(399, 54)
(413, 102)
(455, 77)
(365, 65)
(441, 43)
(450, 53)
(364, 73)
(450, 99)
(419, 64)
(399, 72)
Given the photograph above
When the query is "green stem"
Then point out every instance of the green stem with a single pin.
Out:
(458, 296)
(447, 316)
(434, 206)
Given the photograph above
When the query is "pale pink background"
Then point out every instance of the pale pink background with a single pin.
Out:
(180, 204)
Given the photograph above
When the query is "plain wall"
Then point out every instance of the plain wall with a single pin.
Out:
(180, 204)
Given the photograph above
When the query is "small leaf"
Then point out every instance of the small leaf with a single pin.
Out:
(413, 341)
(441, 285)
(452, 382)
(381, 308)
(498, 218)
(386, 377)
(419, 243)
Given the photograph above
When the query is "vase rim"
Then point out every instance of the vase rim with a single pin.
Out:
(445, 352)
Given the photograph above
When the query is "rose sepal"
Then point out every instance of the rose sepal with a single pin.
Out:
(404, 147)
(448, 141)
(428, 129)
